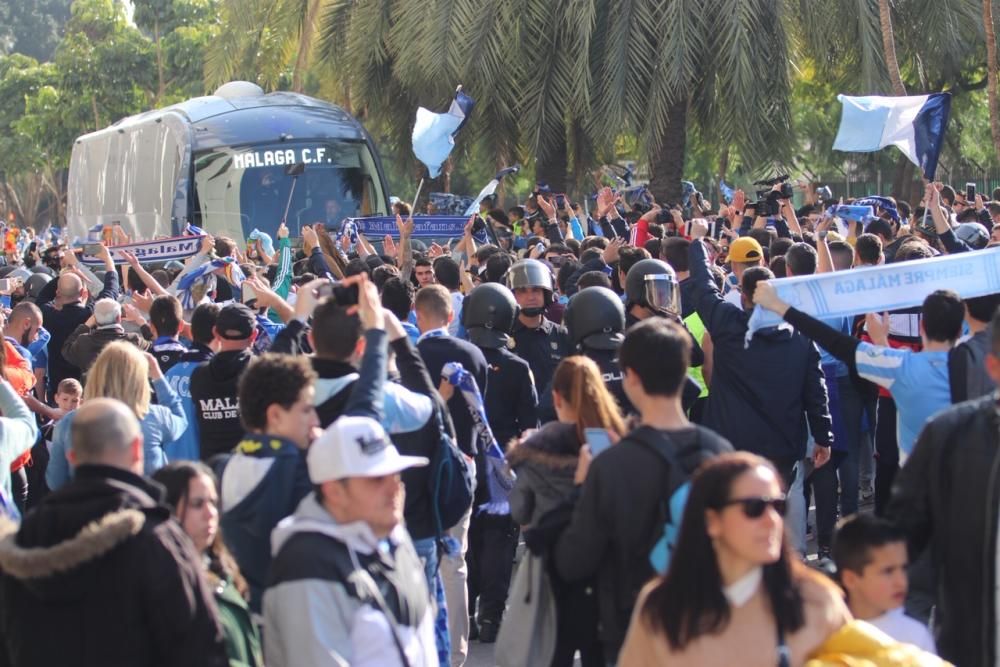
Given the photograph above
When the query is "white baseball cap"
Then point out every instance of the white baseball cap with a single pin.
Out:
(356, 447)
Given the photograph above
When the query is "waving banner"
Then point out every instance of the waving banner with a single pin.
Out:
(883, 288)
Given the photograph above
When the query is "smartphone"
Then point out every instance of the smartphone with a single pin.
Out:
(5, 300)
(970, 193)
(598, 439)
(249, 293)
(6, 285)
(560, 201)
(92, 249)
(717, 225)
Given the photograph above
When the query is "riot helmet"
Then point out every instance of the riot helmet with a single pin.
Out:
(595, 319)
(34, 284)
(488, 314)
(653, 284)
(531, 273)
(973, 234)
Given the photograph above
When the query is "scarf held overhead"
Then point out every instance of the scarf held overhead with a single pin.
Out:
(883, 288)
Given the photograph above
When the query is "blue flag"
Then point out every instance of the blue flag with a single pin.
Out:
(434, 133)
(915, 125)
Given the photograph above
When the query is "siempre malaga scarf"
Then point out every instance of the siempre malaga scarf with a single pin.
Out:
(883, 288)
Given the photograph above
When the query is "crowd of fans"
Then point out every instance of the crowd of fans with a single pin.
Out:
(245, 459)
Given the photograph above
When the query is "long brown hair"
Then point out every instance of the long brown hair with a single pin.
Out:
(578, 381)
(176, 479)
(688, 602)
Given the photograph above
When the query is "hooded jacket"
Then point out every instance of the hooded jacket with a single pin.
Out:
(99, 575)
(266, 477)
(318, 610)
(214, 395)
(188, 446)
(769, 396)
(618, 518)
(545, 463)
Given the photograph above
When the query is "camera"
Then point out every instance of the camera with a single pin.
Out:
(785, 192)
(342, 295)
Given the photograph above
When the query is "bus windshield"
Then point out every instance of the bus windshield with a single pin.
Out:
(242, 188)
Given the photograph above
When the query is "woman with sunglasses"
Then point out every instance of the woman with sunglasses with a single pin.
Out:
(733, 587)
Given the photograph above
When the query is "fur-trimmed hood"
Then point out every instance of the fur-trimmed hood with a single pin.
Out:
(59, 545)
(555, 446)
(93, 541)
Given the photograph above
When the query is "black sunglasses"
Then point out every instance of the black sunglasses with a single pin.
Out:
(753, 508)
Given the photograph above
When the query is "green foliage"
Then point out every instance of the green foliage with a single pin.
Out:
(32, 27)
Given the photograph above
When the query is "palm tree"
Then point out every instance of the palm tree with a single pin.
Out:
(991, 73)
(265, 41)
(889, 48)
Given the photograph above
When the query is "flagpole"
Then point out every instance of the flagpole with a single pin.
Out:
(413, 206)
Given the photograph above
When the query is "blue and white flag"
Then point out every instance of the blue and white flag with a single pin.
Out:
(434, 133)
(876, 289)
(490, 188)
(915, 125)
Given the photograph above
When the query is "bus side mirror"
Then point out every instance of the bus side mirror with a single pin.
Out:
(295, 169)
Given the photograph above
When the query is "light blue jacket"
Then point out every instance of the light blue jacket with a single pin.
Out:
(18, 432)
(163, 424)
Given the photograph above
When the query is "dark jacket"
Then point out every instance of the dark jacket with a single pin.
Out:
(268, 478)
(946, 497)
(619, 517)
(214, 395)
(545, 463)
(438, 351)
(510, 398)
(61, 322)
(542, 347)
(425, 441)
(334, 390)
(100, 575)
(85, 344)
(763, 396)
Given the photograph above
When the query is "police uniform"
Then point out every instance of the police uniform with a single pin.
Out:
(489, 314)
(543, 348)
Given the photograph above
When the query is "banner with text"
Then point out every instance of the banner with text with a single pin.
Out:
(884, 288)
(424, 226)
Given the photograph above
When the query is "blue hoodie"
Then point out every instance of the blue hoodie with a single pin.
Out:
(178, 377)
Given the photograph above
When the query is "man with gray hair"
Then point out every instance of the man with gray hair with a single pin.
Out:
(101, 565)
(103, 327)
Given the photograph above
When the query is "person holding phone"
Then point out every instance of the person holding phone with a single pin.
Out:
(545, 462)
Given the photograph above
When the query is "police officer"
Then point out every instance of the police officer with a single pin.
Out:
(595, 321)
(537, 339)
(652, 290)
(488, 315)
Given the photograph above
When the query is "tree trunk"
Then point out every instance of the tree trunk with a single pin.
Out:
(305, 45)
(666, 164)
(889, 48)
(553, 164)
(160, 86)
(991, 71)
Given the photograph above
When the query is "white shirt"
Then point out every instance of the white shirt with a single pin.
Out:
(904, 629)
(456, 308)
